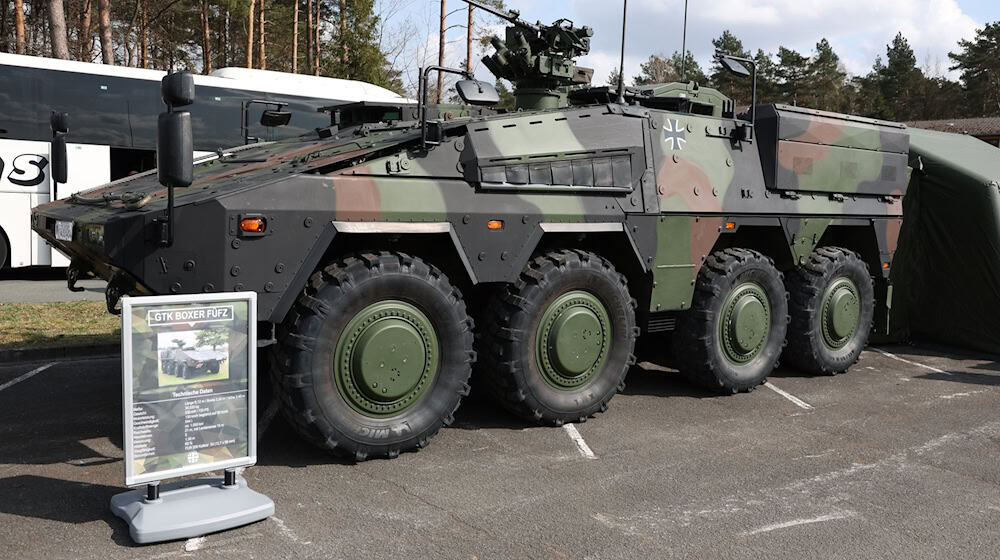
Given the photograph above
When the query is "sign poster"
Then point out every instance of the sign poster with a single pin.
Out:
(189, 384)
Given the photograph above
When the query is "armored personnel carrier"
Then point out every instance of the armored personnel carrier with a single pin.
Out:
(189, 362)
(391, 254)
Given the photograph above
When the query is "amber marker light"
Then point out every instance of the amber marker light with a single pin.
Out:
(730, 225)
(885, 266)
(494, 224)
(253, 225)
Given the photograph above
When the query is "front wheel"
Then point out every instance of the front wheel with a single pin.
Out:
(732, 336)
(376, 355)
(560, 339)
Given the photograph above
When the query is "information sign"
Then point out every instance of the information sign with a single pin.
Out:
(189, 384)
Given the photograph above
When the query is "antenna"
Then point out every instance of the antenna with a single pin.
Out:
(684, 40)
(621, 67)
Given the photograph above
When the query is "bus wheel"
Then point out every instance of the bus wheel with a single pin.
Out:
(560, 339)
(4, 251)
(375, 356)
(731, 338)
(832, 305)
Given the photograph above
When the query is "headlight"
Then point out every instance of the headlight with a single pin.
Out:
(93, 235)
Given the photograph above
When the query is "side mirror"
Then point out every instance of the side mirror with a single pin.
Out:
(475, 92)
(59, 167)
(59, 122)
(174, 149)
(272, 118)
(177, 90)
(733, 66)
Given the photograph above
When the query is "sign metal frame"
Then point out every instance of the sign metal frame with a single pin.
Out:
(128, 303)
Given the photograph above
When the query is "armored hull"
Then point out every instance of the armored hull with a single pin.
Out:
(558, 236)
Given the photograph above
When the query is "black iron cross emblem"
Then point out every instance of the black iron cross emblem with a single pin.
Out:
(674, 134)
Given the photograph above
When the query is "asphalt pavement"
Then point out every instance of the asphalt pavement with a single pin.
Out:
(45, 284)
(895, 459)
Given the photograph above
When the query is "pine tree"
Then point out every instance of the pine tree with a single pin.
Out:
(825, 78)
(793, 75)
(979, 62)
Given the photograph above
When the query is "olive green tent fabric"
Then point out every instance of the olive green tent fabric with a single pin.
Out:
(946, 273)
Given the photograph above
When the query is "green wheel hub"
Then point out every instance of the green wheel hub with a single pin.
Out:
(386, 358)
(841, 310)
(745, 323)
(573, 340)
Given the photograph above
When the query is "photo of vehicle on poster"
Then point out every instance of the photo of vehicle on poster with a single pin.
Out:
(189, 372)
(193, 356)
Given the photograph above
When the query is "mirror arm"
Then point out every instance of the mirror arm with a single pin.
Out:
(422, 86)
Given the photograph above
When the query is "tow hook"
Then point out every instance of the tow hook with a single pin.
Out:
(76, 271)
(119, 285)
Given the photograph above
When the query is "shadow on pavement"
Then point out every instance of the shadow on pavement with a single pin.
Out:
(65, 501)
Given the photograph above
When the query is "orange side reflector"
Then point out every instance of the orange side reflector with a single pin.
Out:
(253, 225)
(885, 265)
(494, 224)
(730, 225)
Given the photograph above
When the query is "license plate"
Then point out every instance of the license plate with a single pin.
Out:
(64, 231)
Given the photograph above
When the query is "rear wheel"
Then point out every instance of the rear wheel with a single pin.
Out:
(832, 305)
(376, 355)
(560, 339)
(731, 338)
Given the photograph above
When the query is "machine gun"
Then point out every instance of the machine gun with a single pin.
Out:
(538, 58)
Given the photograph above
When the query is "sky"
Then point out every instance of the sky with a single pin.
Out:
(858, 29)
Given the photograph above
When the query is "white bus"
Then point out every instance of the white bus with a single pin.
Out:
(112, 117)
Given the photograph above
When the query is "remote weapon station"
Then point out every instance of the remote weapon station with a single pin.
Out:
(402, 246)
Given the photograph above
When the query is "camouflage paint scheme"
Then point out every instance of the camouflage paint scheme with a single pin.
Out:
(668, 186)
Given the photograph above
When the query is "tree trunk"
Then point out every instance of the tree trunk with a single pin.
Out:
(309, 36)
(206, 41)
(83, 37)
(250, 22)
(144, 38)
(19, 25)
(343, 33)
(468, 42)
(316, 40)
(295, 38)
(104, 17)
(440, 82)
(57, 27)
(263, 53)
(5, 7)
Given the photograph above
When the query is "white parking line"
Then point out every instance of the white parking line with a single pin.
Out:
(795, 400)
(912, 363)
(578, 439)
(28, 375)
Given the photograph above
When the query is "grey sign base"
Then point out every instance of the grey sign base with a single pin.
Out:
(190, 508)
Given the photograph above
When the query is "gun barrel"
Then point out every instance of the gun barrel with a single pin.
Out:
(512, 16)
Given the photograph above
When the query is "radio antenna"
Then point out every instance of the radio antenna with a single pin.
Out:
(684, 40)
(621, 66)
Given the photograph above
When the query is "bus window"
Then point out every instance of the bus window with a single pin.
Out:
(25, 113)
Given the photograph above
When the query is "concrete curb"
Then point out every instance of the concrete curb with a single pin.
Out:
(59, 353)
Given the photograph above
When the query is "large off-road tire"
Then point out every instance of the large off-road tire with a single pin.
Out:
(375, 356)
(731, 338)
(832, 305)
(559, 340)
(185, 371)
